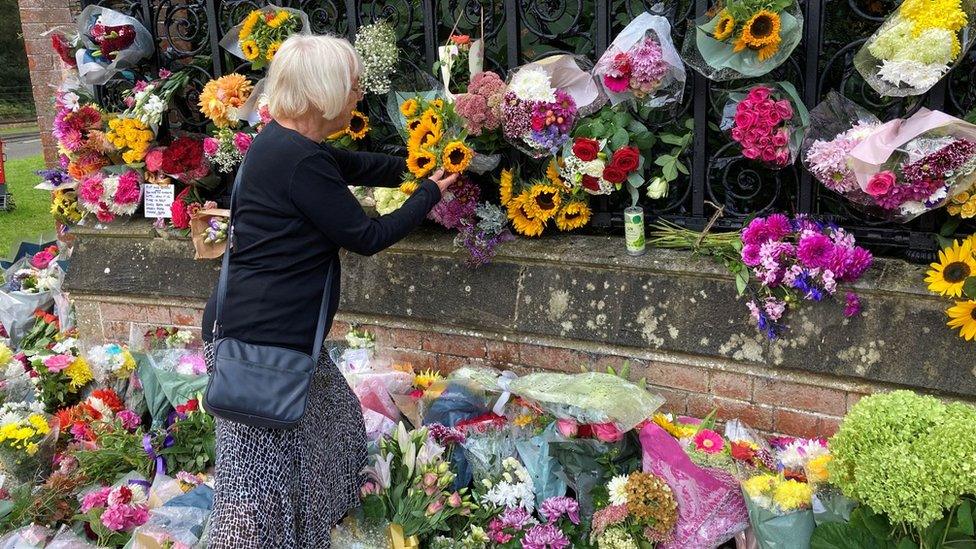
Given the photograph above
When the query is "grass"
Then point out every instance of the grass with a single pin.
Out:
(18, 128)
(31, 219)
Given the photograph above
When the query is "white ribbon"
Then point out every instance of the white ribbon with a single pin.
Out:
(504, 383)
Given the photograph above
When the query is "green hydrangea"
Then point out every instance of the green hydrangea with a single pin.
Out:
(906, 455)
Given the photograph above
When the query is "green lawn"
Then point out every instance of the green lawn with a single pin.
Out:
(31, 220)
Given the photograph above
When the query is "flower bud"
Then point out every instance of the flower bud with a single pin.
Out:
(658, 188)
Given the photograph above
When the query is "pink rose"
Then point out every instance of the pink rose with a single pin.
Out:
(745, 119)
(567, 427)
(606, 432)
(781, 138)
(154, 159)
(783, 157)
(880, 183)
(751, 153)
(210, 146)
(759, 93)
(56, 363)
(769, 155)
(738, 134)
(784, 109)
(41, 259)
(242, 141)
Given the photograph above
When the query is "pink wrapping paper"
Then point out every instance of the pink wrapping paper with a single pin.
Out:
(711, 510)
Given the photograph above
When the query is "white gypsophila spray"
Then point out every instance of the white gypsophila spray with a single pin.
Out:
(377, 48)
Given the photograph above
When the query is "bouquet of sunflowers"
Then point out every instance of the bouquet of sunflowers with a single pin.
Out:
(435, 139)
(259, 36)
(532, 204)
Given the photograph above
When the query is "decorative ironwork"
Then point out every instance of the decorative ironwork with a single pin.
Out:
(517, 31)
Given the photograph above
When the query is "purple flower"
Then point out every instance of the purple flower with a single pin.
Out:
(755, 233)
(778, 226)
(458, 203)
(555, 507)
(648, 67)
(545, 536)
(815, 250)
(445, 435)
(853, 305)
(750, 255)
(515, 517)
(130, 420)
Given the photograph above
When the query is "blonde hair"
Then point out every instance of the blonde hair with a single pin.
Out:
(311, 74)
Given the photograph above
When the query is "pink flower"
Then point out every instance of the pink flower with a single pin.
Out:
(745, 119)
(751, 153)
(242, 141)
(130, 420)
(759, 93)
(781, 138)
(91, 189)
(369, 488)
(880, 183)
(454, 500)
(164, 74)
(95, 499)
(127, 191)
(56, 363)
(815, 250)
(567, 427)
(853, 305)
(41, 259)
(708, 441)
(120, 496)
(139, 86)
(435, 507)
(768, 155)
(607, 432)
(750, 255)
(154, 159)
(210, 146)
(784, 109)
(616, 84)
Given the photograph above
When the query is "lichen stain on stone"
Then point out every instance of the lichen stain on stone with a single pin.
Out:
(648, 325)
(673, 331)
(567, 326)
(862, 357)
(598, 321)
(742, 347)
(590, 286)
(558, 304)
(704, 342)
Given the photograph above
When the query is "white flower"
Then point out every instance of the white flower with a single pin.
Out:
(618, 490)
(65, 346)
(593, 168)
(71, 101)
(799, 452)
(658, 188)
(532, 84)
(152, 110)
(911, 73)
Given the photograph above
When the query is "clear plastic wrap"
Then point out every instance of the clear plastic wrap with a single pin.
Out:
(17, 306)
(775, 530)
(171, 524)
(112, 42)
(712, 42)
(768, 121)
(34, 536)
(917, 46)
(642, 64)
(231, 41)
(25, 467)
(67, 538)
(547, 474)
(356, 533)
(163, 385)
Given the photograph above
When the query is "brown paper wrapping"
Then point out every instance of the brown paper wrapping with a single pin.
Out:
(198, 225)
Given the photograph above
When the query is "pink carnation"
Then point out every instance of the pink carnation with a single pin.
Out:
(56, 363)
(242, 141)
(130, 420)
(154, 159)
(91, 188)
(210, 146)
(95, 499)
(127, 191)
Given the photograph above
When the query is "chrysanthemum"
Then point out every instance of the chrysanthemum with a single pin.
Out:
(523, 224)
(505, 186)
(79, 373)
(790, 495)
(573, 215)
(358, 125)
(956, 264)
(617, 487)
(457, 156)
(544, 201)
(223, 96)
(420, 162)
(409, 108)
(725, 26)
(962, 315)
(250, 49)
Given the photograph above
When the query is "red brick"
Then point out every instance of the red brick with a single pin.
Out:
(448, 363)
(802, 397)
(802, 424)
(730, 385)
(852, 399)
(186, 316)
(638, 368)
(753, 415)
(455, 345)
(700, 405)
(677, 376)
(552, 358)
(151, 314)
(407, 339)
(418, 359)
(675, 401)
(502, 352)
(338, 330)
(116, 331)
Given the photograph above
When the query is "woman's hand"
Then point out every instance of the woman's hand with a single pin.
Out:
(443, 181)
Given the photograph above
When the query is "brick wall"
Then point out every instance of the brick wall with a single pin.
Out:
(36, 18)
(772, 400)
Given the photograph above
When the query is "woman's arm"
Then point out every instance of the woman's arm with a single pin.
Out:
(367, 169)
(319, 192)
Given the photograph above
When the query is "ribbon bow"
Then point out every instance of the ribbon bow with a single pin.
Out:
(504, 383)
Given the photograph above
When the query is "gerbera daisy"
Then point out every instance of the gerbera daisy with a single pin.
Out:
(250, 49)
(409, 187)
(505, 186)
(409, 108)
(725, 26)
(962, 315)
(956, 264)
(358, 125)
(573, 216)
(425, 379)
(544, 201)
(421, 162)
(761, 29)
(523, 224)
(457, 156)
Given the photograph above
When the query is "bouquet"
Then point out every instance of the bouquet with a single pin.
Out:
(481, 234)
(110, 42)
(111, 362)
(208, 229)
(435, 140)
(954, 276)
(102, 406)
(32, 280)
(42, 334)
(511, 488)
(837, 126)
(27, 439)
(641, 65)
(131, 137)
(641, 511)
(481, 109)
(377, 48)
(226, 149)
(458, 61)
(911, 166)
(488, 441)
(768, 122)
(59, 374)
(557, 526)
(27, 289)
(162, 337)
(543, 102)
(113, 512)
(532, 204)
(64, 206)
(259, 36)
(188, 443)
(183, 159)
(916, 46)
(147, 101)
(223, 99)
(798, 260)
(779, 510)
(78, 129)
(743, 38)
(109, 194)
(457, 205)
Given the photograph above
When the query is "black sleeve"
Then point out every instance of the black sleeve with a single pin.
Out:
(320, 193)
(367, 169)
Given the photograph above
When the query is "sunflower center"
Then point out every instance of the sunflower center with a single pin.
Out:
(356, 124)
(956, 272)
(456, 156)
(571, 216)
(545, 201)
(761, 27)
(423, 161)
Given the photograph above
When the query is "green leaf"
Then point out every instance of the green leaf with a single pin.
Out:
(681, 167)
(670, 171)
(664, 160)
(741, 282)
(644, 141)
(839, 535)
(597, 129)
(969, 287)
(876, 523)
(949, 227)
(620, 138)
(621, 119)
(672, 139)
(964, 515)
(637, 127)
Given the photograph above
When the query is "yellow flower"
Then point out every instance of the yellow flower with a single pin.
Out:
(248, 26)
(425, 379)
(39, 423)
(272, 50)
(409, 187)
(928, 14)
(432, 119)
(358, 125)
(222, 94)
(250, 49)
(279, 19)
(32, 448)
(573, 215)
(961, 198)
(816, 469)
(956, 264)
(758, 485)
(544, 201)
(963, 316)
(437, 104)
(5, 355)
(523, 224)
(552, 173)
(409, 108)
(421, 162)
(761, 29)
(457, 156)
(79, 373)
(968, 209)
(523, 420)
(505, 185)
(725, 26)
(674, 429)
(423, 137)
(128, 364)
(790, 495)
(413, 124)
(768, 51)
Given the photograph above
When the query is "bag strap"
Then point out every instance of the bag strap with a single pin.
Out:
(225, 270)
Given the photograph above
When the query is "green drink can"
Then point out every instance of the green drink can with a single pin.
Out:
(634, 230)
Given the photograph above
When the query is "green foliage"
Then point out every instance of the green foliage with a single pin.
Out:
(742, 10)
(13, 57)
(193, 449)
(907, 456)
(119, 452)
(870, 530)
(670, 162)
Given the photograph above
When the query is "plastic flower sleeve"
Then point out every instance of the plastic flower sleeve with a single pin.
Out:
(917, 46)
(642, 64)
(915, 165)
(17, 306)
(112, 42)
(779, 531)
(583, 466)
(768, 121)
(27, 537)
(25, 467)
(546, 472)
(67, 538)
(231, 41)
(164, 388)
(712, 40)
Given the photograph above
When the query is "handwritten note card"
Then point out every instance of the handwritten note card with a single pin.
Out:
(157, 200)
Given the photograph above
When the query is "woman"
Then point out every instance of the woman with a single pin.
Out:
(288, 488)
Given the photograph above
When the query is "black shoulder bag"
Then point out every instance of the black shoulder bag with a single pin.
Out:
(259, 385)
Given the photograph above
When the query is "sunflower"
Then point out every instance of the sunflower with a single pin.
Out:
(762, 29)
(409, 108)
(725, 26)
(963, 316)
(279, 19)
(432, 119)
(768, 50)
(544, 201)
(272, 50)
(358, 125)
(437, 104)
(424, 136)
(505, 186)
(552, 173)
(413, 124)
(956, 264)
(409, 187)
(248, 26)
(421, 162)
(573, 216)
(523, 224)
(456, 157)
(250, 49)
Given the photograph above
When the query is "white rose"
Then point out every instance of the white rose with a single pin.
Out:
(658, 188)
(593, 168)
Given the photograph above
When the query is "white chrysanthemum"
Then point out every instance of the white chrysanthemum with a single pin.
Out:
(799, 452)
(911, 73)
(532, 84)
(618, 490)
(66, 345)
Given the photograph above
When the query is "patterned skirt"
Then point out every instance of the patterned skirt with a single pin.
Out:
(287, 488)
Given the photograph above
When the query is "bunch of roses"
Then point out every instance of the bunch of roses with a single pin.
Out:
(108, 195)
(185, 206)
(596, 169)
(761, 126)
(481, 106)
(183, 159)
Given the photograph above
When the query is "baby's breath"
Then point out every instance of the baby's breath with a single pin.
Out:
(377, 48)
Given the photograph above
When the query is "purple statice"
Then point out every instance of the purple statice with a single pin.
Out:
(648, 67)
(556, 507)
(545, 536)
(852, 306)
(55, 176)
(458, 203)
(516, 116)
(482, 246)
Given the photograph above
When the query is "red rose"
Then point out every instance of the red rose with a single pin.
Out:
(627, 159)
(591, 183)
(64, 49)
(586, 149)
(183, 156)
(181, 218)
(614, 174)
